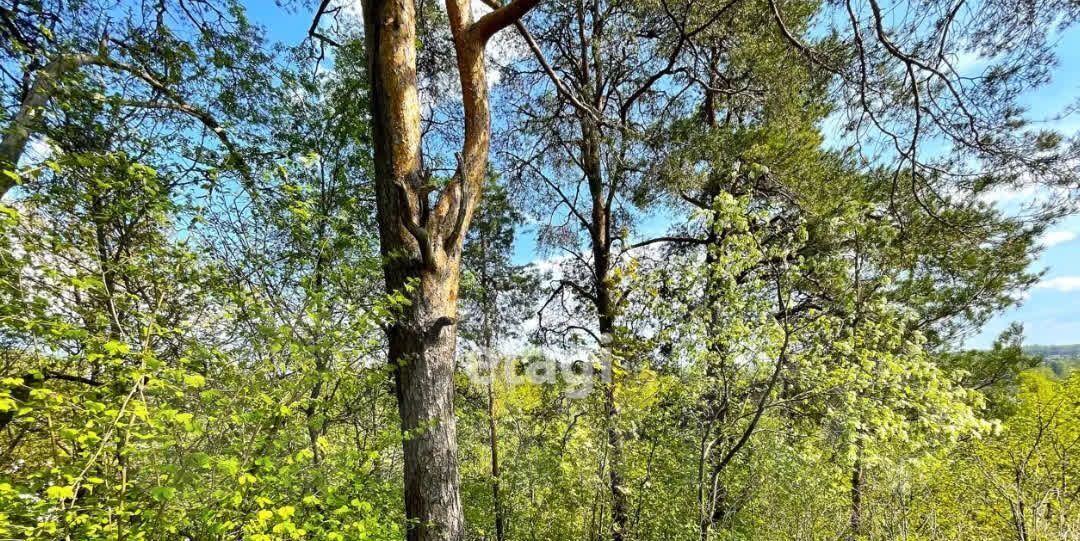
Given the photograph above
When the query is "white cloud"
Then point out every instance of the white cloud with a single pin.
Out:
(1053, 238)
(1009, 194)
(1063, 284)
(552, 265)
(1024, 197)
(968, 63)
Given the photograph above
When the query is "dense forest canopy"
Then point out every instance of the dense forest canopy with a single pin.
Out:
(256, 288)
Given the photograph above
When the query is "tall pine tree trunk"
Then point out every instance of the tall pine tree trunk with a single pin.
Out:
(422, 345)
(422, 338)
(600, 237)
(421, 242)
(488, 300)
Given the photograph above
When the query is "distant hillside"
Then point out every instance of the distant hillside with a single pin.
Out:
(1061, 359)
(1068, 351)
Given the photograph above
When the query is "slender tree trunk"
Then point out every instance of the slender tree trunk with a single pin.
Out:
(317, 339)
(858, 482)
(1019, 514)
(702, 495)
(600, 234)
(488, 301)
(500, 519)
(717, 398)
(712, 493)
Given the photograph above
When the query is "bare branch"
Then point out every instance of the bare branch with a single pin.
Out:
(657, 240)
(313, 30)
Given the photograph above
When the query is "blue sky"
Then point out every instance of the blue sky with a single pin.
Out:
(1051, 311)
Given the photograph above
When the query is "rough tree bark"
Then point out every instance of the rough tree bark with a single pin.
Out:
(421, 242)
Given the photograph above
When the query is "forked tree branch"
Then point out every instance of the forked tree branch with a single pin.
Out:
(560, 86)
(500, 18)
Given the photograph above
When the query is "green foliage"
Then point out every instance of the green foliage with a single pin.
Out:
(192, 312)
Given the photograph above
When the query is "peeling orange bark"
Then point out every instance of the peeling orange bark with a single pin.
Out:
(421, 246)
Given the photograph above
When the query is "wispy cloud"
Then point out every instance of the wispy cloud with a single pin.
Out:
(1060, 283)
(1009, 194)
(1053, 238)
(968, 63)
(552, 265)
